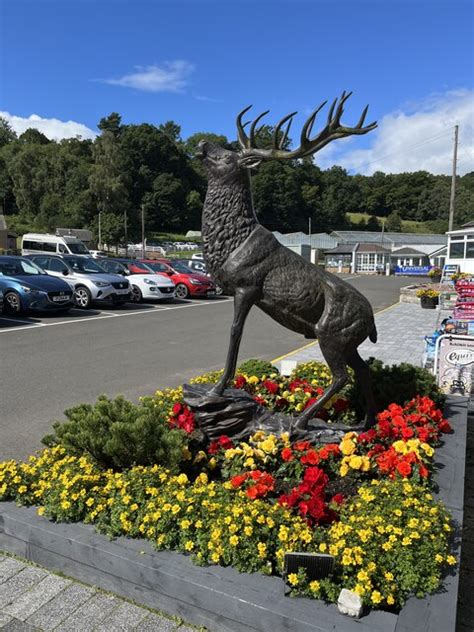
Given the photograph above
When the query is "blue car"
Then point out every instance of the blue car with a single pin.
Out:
(26, 286)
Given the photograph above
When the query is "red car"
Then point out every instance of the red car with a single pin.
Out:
(187, 282)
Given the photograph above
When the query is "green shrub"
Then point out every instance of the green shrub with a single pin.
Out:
(397, 384)
(119, 434)
(257, 367)
(313, 370)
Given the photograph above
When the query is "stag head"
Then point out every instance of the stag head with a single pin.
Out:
(226, 165)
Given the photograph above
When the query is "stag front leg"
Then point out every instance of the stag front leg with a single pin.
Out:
(243, 301)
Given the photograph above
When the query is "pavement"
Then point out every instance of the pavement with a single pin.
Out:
(35, 600)
(401, 329)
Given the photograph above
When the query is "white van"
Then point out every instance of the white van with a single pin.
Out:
(37, 243)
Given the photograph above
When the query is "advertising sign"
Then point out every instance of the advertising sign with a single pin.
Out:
(455, 365)
(412, 270)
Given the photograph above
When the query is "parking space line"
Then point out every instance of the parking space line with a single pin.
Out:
(17, 320)
(102, 317)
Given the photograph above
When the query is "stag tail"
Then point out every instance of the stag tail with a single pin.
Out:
(373, 335)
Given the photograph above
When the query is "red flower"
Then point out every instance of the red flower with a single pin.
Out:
(341, 405)
(240, 381)
(422, 470)
(310, 458)
(301, 446)
(177, 408)
(445, 426)
(237, 481)
(260, 400)
(338, 499)
(404, 468)
(225, 442)
(271, 387)
(407, 432)
(287, 454)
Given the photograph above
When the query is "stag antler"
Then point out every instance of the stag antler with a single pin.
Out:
(334, 129)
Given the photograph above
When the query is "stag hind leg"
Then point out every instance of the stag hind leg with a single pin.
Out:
(362, 374)
(337, 363)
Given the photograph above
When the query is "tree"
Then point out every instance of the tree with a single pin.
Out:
(393, 223)
(33, 136)
(108, 181)
(111, 123)
(7, 133)
(373, 223)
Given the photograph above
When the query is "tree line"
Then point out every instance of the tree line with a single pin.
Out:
(46, 184)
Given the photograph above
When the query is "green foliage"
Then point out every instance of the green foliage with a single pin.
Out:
(119, 434)
(393, 223)
(398, 383)
(312, 370)
(257, 367)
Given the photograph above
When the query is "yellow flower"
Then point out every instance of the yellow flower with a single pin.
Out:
(376, 597)
(314, 586)
(189, 545)
(355, 462)
(253, 379)
(40, 511)
(390, 600)
(388, 576)
(234, 540)
(262, 549)
(344, 469)
(293, 579)
(451, 560)
(347, 447)
(182, 479)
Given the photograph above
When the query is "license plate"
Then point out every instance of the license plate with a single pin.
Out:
(59, 299)
(211, 293)
(122, 292)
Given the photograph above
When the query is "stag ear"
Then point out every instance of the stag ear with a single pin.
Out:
(249, 162)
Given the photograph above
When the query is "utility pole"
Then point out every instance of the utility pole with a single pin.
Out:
(309, 229)
(143, 232)
(453, 180)
(100, 230)
(126, 232)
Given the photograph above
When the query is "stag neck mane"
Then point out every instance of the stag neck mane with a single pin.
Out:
(228, 219)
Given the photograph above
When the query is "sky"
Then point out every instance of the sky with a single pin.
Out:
(65, 64)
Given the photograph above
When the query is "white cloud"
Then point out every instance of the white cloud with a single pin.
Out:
(418, 137)
(54, 129)
(169, 77)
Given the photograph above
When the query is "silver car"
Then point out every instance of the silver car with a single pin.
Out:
(88, 279)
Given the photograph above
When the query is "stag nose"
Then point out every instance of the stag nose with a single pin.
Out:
(201, 149)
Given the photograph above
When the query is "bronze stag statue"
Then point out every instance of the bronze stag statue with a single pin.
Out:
(249, 263)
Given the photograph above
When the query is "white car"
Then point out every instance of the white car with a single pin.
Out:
(144, 282)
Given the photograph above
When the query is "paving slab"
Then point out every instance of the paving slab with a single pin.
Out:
(33, 599)
(58, 609)
(124, 618)
(88, 616)
(19, 583)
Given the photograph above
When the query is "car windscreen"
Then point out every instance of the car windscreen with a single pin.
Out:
(19, 267)
(158, 267)
(84, 264)
(77, 249)
(180, 267)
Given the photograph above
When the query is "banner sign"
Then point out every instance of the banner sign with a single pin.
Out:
(412, 270)
(455, 366)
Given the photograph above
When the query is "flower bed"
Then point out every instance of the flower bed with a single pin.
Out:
(366, 500)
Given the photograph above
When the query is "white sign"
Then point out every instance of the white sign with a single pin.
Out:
(455, 364)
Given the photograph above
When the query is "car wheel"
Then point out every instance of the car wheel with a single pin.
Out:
(12, 302)
(82, 297)
(181, 291)
(136, 295)
(219, 290)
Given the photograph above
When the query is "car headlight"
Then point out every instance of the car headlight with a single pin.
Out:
(150, 282)
(29, 290)
(195, 282)
(101, 283)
